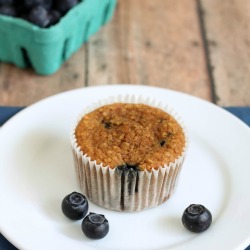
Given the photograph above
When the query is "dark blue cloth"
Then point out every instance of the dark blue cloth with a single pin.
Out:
(241, 112)
(7, 112)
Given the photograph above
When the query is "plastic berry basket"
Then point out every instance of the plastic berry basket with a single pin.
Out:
(45, 49)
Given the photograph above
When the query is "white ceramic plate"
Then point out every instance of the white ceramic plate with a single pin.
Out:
(36, 172)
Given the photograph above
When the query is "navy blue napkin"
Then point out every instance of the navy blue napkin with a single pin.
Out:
(7, 112)
(242, 113)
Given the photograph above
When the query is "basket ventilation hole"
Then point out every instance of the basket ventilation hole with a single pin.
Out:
(105, 14)
(86, 31)
(65, 48)
(26, 58)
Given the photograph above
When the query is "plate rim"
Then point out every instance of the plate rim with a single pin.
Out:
(27, 109)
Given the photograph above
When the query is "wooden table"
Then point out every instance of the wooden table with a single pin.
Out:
(201, 47)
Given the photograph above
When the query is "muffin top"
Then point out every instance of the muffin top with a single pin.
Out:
(136, 135)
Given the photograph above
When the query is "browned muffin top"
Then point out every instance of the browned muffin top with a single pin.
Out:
(130, 134)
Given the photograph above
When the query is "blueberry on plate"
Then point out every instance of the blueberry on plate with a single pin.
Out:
(95, 226)
(75, 206)
(196, 218)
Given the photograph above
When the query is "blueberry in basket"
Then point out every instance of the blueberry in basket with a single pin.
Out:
(33, 3)
(64, 5)
(196, 218)
(39, 16)
(54, 16)
(75, 206)
(8, 10)
(6, 2)
(95, 226)
(42, 13)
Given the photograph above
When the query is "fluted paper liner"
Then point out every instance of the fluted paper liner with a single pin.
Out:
(128, 190)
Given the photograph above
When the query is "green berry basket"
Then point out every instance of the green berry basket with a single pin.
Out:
(45, 49)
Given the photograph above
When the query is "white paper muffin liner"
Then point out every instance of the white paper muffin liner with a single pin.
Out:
(128, 190)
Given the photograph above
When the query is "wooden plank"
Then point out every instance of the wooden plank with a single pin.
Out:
(228, 35)
(22, 87)
(153, 43)
(147, 42)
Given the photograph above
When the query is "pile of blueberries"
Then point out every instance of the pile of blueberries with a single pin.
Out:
(43, 13)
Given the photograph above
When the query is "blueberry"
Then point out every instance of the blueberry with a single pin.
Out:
(54, 17)
(6, 2)
(20, 8)
(107, 124)
(196, 218)
(95, 226)
(65, 5)
(8, 10)
(39, 16)
(75, 206)
(47, 4)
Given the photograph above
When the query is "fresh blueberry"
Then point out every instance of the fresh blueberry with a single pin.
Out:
(54, 17)
(95, 226)
(39, 16)
(75, 206)
(65, 5)
(196, 218)
(24, 16)
(20, 8)
(6, 2)
(8, 10)
(47, 4)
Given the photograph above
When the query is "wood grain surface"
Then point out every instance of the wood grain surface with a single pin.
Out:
(228, 33)
(200, 47)
(153, 43)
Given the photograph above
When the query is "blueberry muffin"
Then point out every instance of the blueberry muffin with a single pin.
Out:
(128, 155)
